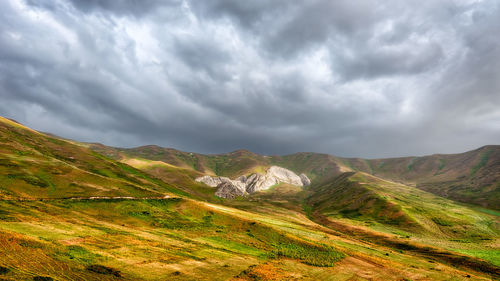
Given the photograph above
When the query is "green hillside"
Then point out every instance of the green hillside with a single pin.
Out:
(471, 177)
(391, 207)
(34, 165)
(403, 217)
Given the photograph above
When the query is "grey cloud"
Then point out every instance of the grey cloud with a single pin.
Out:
(473, 88)
(287, 27)
(202, 54)
(369, 79)
(123, 7)
(377, 62)
(318, 21)
(248, 14)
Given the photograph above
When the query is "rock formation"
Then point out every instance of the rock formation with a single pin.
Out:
(228, 188)
(212, 181)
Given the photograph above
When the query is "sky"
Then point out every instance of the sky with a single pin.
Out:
(363, 78)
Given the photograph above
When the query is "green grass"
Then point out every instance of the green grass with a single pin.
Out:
(488, 211)
(441, 164)
(79, 254)
(481, 163)
(307, 209)
(491, 255)
(411, 164)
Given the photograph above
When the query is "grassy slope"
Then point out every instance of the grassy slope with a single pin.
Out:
(471, 177)
(34, 165)
(318, 167)
(180, 178)
(361, 200)
(232, 164)
(180, 239)
(149, 239)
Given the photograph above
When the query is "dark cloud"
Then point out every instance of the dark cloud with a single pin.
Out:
(247, 14)
(319, 21)
(369, 78)
(378, 61)
(123, 7)
(204, 55)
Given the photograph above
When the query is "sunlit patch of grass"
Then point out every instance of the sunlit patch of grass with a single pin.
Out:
(491, 255)
(489, 211)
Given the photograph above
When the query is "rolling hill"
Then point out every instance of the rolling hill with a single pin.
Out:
(472, 177)
(388, 207)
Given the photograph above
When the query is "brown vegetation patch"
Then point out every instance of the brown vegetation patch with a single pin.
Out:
(101, 269)
(265, 271)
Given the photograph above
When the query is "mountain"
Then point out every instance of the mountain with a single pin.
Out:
(78, 211)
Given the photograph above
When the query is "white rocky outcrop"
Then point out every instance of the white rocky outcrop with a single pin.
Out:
(284, 175)
(212, 181)
(257, 182)
(216, 181)
(228, 188)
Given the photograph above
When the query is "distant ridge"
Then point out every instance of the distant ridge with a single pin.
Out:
(470, 177)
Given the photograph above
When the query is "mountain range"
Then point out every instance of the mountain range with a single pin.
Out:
(85, 211)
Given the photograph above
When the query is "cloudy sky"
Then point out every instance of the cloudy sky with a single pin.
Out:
(351, 78)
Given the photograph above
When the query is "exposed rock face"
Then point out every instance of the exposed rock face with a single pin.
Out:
(258, 182)
(212, 181)
(227, 188)
(216, 181)
(284, 175)
(305, 180)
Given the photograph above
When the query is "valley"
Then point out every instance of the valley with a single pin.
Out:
(81, 211)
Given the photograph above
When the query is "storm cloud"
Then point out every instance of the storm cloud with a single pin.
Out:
(349, 78)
